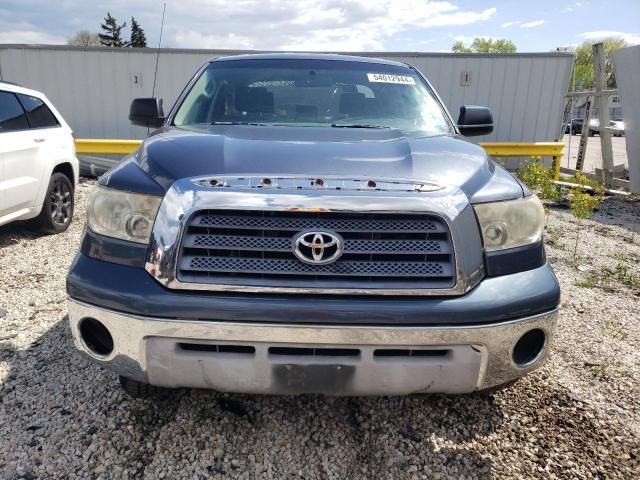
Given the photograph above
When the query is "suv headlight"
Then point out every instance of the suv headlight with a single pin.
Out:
(511, 223)
(124, 215)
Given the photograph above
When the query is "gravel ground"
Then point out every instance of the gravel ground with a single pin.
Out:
(577, 417)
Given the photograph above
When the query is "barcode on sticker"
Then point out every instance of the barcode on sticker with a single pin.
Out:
(386, 78)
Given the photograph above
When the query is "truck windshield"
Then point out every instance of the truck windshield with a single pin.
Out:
(325, 93)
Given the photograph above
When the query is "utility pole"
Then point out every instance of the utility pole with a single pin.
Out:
(603, 112)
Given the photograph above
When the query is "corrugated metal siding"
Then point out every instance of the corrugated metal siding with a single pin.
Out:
(627, 63)
(93, 87)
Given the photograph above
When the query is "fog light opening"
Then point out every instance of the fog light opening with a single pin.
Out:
(96, 337)
(529, 347)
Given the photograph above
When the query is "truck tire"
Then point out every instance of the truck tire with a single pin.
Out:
(58, 205)
(137, 389)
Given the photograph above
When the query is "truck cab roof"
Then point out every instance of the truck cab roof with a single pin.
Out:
(309, 56)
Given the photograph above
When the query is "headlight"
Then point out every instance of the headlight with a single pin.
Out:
(511, 223)
(124, 215)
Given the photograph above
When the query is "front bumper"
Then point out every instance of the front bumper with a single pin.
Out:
(130, 289)
(328, 359)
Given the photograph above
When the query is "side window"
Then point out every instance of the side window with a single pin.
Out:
(38, 113)
(12, 116)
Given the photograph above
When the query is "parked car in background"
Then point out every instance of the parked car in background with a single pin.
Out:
(306, 223)
(618, 127)
(574, 127)
(38, 164)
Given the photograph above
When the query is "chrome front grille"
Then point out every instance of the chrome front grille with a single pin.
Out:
(255, 249)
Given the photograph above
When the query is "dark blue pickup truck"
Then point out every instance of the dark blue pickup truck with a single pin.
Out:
(307, 223)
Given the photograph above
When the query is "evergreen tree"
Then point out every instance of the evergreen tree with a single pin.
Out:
(138, 38)
(112, 32)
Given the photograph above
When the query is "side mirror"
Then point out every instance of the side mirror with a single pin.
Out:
(475, 121)
(146, 112)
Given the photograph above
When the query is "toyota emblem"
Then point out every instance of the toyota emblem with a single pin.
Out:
(317, 247)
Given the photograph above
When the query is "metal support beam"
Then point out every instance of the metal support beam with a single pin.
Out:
(582, 93)
(584, 135)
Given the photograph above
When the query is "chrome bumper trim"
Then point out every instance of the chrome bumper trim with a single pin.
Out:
(132, 335)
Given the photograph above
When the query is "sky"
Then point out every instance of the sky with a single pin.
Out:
(331, 25)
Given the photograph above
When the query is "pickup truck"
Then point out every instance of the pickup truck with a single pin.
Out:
(307, 223)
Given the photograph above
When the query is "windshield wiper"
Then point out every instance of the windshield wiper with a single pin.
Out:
(237, 123)
(356, 125)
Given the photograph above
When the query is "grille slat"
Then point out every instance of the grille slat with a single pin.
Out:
(295, 267)
(296, 224)
(281, 244)
(255, 248)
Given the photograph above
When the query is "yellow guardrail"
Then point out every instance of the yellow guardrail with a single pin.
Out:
(535, 149)
(106, 146)
(494, 149)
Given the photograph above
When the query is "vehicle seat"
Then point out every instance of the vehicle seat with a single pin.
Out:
(353, 104)
(307, 112)
(255, 100)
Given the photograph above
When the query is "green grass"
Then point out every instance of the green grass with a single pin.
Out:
(600, 370)
(585, 283)
(628, 278)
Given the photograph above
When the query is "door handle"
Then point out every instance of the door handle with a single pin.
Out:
(38, 140)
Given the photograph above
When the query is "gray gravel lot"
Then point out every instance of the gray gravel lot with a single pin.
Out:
(578, 417)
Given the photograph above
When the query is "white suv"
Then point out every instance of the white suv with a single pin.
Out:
(38, 164)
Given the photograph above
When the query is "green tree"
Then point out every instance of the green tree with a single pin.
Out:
(585, 76)
(112, 36)
(486, 45)
(84, 38)
(138, 38)
(540, 180)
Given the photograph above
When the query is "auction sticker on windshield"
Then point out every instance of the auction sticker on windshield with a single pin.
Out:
(386, 78)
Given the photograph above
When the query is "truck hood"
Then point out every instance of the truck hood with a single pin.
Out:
(379, 154)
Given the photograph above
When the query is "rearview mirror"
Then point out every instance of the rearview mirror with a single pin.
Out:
(475, 121)
(146, 112)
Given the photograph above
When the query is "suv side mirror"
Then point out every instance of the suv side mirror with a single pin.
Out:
(475, 121)
(146, 112)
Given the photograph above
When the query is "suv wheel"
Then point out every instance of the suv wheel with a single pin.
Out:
(57, 209)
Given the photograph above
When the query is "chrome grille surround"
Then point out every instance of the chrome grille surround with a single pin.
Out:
(378, 250)
(447, 205)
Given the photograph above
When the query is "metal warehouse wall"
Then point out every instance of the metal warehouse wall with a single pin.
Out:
(93, 87)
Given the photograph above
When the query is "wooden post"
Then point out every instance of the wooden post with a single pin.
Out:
(603, 112)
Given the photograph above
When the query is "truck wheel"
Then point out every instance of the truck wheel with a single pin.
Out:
(137, 389)
(57, 208)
